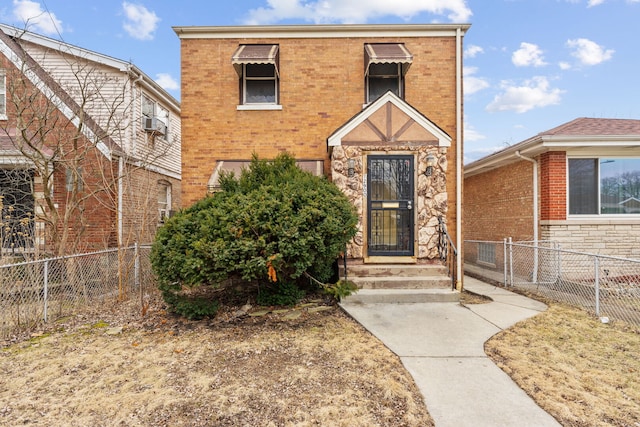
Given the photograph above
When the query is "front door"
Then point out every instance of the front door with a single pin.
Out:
(390, 205)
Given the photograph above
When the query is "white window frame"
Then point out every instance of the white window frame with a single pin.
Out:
(158, 112)
(164, 207)
(273, 78)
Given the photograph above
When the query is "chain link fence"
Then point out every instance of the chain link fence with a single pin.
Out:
(605, 286)
(39, 291)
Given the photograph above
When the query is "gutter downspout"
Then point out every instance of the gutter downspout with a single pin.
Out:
(459, 285)
(535, 213)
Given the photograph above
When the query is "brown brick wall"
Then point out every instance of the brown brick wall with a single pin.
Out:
(553, 186)
(499, 203)
(321, 88)
(140, 201)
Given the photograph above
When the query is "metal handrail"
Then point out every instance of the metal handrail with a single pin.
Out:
(447, 251)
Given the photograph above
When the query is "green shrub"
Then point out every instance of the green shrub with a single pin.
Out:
(282, 293)
(193, 307)
(340, 289)
(271, 224)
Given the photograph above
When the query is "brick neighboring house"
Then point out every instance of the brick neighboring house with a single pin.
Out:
(89, 148)
(577, 184)
(376, 108)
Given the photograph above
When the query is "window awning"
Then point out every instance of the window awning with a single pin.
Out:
(387, 53)
(256, 54)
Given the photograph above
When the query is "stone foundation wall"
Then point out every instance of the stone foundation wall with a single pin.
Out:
(613, 238)
(430, 193)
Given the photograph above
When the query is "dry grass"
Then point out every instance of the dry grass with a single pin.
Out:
(319, 369)
(581, 371)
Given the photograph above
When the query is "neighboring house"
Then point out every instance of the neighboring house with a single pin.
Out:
(89, 148)
(577, 184)
(375, 108)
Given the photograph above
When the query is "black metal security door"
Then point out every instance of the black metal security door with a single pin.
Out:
(390, 205)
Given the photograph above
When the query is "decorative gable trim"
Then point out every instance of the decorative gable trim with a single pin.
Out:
(387, 135)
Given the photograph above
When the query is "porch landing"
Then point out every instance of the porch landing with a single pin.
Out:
(400, 283)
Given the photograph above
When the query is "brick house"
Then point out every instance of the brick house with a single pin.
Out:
(577, 184)
(376, 108)
(89, 148)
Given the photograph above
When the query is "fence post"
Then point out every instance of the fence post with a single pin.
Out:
(46, 288)
(597, 285)
(504, 255)
(511, 261)
(136, 266)
(536, 261)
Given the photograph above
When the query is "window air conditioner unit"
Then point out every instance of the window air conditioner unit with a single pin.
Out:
(153, 125)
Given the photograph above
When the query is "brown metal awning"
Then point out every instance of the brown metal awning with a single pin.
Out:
(256, 54)
(387, 53)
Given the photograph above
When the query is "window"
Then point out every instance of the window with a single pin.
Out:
(487, 253)
(148, 107)
(16, 208)
(164, 200)
(257, 68)
(155, 118)
(3, 95)
(73, 180)
(604, 186)
(260, 84)
(383, 78)
(385, 67)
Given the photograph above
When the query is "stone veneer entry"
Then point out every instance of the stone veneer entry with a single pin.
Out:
(430, 192)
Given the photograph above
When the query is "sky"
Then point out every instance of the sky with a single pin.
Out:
(529, 65)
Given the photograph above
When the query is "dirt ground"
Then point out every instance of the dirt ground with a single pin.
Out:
(310, 366)
(580, 370)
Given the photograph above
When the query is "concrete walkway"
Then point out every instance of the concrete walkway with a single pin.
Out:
(442, 346)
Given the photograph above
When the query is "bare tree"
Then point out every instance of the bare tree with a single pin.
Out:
(71, 173)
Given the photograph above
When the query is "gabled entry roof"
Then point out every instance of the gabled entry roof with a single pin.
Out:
(389, 120)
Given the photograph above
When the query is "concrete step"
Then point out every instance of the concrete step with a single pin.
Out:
(402, 282)
(401, 296)
(393, 270)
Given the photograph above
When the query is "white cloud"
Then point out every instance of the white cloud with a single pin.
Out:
(355, 11)
(589, 52)
(31, 15)
(167, 82)
(472, 51)
(534, 93)
(564, 65)
(529, 54)
(592, 3)
(471, 134)
(473, 84)
(140, 22)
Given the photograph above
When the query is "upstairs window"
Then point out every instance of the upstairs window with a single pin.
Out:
(385, 67)
(155, 118)
(604, 186)
(3, 95)
(257, 68)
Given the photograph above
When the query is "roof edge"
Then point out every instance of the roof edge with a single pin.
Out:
(317, 31)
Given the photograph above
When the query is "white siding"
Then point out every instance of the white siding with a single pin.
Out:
(113, 99)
